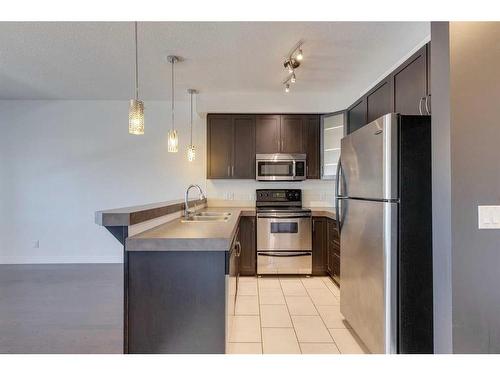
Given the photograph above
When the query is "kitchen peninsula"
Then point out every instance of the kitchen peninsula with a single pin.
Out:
(179, 277)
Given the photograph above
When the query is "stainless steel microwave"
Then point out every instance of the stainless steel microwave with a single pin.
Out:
(280, 167)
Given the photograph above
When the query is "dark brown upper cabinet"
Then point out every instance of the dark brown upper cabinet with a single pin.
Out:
(267, 131)
(410, 85)
(244, 146)
(291, 134)
(311, 138)
(219, 146)
(406, 90)
(230, 146)
(378, 101)
(234, 139)
(356, 115)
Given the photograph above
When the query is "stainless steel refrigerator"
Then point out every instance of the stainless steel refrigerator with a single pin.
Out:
(384, 209)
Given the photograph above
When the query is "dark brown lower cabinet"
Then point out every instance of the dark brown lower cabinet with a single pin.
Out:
(319, 246)
(248, 257)
(333, 251)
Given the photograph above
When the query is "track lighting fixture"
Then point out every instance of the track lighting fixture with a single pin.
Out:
(291, 63)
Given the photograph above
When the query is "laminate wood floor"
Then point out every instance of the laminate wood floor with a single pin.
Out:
(63, 308)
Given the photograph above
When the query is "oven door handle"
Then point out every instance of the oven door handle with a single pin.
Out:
(285, 254)
(278, 216)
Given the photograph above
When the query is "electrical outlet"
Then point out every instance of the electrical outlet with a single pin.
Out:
(488, 217)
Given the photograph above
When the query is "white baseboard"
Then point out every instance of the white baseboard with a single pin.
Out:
(54, 259)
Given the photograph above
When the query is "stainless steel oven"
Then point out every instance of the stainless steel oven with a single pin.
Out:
(280, 167)
(284, 233)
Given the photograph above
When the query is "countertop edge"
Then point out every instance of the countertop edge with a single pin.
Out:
(126, 216)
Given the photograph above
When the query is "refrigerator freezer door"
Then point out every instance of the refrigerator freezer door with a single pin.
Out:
(368, 272)
(369, 160)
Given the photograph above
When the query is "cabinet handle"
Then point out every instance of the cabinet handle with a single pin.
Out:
(420, 105)
(232, 170)
(228, 171)
(427, 105)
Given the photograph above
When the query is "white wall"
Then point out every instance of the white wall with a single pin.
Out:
(62, 160)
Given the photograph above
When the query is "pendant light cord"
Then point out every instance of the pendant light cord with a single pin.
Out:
(173, 96)
(136, 65)
(191, 142)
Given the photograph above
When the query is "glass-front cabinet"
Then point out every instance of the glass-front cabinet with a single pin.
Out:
(332, 131)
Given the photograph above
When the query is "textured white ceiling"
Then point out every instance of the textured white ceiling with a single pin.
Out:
(92, 60)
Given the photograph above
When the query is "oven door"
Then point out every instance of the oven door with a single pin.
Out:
(284, 262)
(292, 233)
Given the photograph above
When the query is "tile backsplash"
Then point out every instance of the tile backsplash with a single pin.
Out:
(315, 193)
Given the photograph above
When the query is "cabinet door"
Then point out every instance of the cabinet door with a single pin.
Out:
(248, 257)
(291, 134)
(219, 146)
(267, 134)
(379, 101)
(244, 147)
(319, 246)
(332, 131)
(410, 85)
(356, 116)
(311, 138)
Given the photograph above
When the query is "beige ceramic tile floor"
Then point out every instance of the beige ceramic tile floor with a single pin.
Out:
(290, 315)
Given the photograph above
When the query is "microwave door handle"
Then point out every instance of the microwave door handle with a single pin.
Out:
(293, 168)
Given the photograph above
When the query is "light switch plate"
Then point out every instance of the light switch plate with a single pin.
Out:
(488, 217)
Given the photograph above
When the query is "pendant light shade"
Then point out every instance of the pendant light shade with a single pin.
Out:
(173, 139)
(136, 107)
(191, 151)
(136, 117)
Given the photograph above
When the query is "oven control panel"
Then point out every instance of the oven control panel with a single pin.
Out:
(279, 195)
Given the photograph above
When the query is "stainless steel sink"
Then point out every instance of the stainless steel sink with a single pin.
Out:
(201, 219)
(212, 213)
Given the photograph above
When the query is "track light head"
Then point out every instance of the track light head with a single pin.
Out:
(293, 78)
(287, 88)
(300, 55)
(291, 64)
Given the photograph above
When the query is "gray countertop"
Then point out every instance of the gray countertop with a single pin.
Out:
(195, 236)
(200, 236)
(328, 212)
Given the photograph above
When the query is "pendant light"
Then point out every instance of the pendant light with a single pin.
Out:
(136, 107)
(173, 139)
(191, 152)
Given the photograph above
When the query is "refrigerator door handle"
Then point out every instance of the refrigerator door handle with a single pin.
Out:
(337, 196)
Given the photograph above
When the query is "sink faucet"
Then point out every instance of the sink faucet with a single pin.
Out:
(187, 211)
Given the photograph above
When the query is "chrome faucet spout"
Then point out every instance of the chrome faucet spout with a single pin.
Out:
(187, 211)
